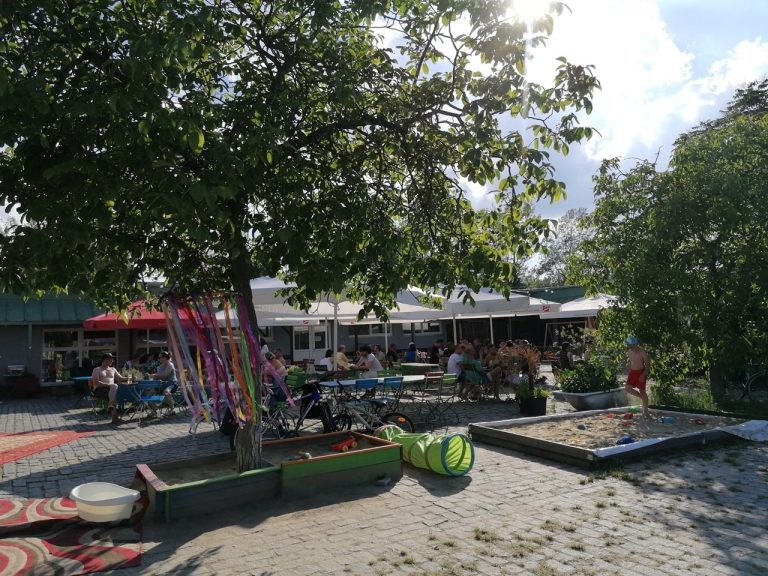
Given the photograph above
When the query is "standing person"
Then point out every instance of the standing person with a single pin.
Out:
(368, 362)
(104, 381)
(637, 376)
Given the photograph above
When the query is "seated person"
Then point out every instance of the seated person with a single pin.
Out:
(392, 357)
(280, 357)
(325, 364)
(276, 364)
(104, 381)
(342, 363)
(412, 354)
(471, 377)
(166, 373)
(454, 360)
(368, 363)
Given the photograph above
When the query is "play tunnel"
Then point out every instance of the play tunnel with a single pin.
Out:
(450, 454)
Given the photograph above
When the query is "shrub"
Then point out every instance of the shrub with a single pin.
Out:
(588, 377)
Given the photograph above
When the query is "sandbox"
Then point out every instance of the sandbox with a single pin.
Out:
(195, 486)
(589, 439)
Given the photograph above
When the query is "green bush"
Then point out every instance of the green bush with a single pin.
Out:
(588, 377)
(525, 390)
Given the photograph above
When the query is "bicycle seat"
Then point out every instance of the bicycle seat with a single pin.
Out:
(377, 402)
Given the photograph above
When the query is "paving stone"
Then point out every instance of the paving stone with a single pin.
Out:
(688, 513)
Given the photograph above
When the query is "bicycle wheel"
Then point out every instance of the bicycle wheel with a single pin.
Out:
(400, 420)
(342, 422)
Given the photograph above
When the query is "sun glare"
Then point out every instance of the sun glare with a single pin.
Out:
(528, 10)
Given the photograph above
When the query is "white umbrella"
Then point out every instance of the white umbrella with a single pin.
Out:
(581, 307)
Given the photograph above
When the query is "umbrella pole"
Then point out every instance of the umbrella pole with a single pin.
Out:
(335, 331)
(455, 334)
(490, 322)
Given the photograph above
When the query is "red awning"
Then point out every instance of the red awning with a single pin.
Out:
(136, 317)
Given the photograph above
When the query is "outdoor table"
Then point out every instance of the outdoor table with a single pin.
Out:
(418, 367)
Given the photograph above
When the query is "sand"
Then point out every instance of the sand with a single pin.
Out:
(227, 465)
(604, 429)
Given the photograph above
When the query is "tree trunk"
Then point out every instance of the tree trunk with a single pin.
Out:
(717, 382)
(248, 440)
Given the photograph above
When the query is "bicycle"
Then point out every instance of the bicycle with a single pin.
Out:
(365, 414)
(754, 385)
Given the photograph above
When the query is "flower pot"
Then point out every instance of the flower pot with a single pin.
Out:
(595, 400)
(533, 406)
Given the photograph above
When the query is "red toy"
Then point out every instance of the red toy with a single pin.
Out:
(344, 445)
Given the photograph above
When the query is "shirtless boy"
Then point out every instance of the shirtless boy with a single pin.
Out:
(637, 376)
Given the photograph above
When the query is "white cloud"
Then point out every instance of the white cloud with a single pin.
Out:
(478, 194)
(648, 84)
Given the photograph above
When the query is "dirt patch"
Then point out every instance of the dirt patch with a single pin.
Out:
(604, 429)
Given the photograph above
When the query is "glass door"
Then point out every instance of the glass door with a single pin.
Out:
(308, 342)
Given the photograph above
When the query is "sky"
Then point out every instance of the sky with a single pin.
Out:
(664, 66)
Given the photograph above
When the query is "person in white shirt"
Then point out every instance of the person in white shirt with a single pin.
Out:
(104, 381)
(326, 361)
(454, 360)
(368, 362)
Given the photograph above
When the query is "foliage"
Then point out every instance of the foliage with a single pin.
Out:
(570, 231)
(526, 390)
(206, 141)
(588, 377)
(134, 373)
(686, 250)
(294, 369)
(528, 355)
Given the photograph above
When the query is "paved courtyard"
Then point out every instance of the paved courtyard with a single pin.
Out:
(698, 513)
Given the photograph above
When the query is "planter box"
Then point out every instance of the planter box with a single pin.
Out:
(594, 400)
(204, 485)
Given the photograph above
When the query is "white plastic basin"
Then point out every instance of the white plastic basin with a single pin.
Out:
(103, 501)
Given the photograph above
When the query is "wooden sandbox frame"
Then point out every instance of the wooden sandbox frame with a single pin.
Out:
(278, 477)
(502, 433)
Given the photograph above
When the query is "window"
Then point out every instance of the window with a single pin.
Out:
(67, 350)
(368, 330)
(423, 328)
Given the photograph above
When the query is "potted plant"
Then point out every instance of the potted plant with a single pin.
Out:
(591, 386)
(532, 397)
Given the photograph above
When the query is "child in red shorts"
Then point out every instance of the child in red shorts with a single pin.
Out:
(637, 376)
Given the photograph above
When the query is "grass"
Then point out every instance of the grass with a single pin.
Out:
(486, 536)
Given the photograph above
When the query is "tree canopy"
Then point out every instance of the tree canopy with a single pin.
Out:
(322, 140)
(568, 235)
(686, 250)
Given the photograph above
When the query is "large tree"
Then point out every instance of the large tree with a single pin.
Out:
(568, 233)
(205, 138)
(686, 250)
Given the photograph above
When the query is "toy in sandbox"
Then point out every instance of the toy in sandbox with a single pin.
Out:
(345, 444)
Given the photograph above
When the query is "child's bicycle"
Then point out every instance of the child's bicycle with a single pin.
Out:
(365, 414)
